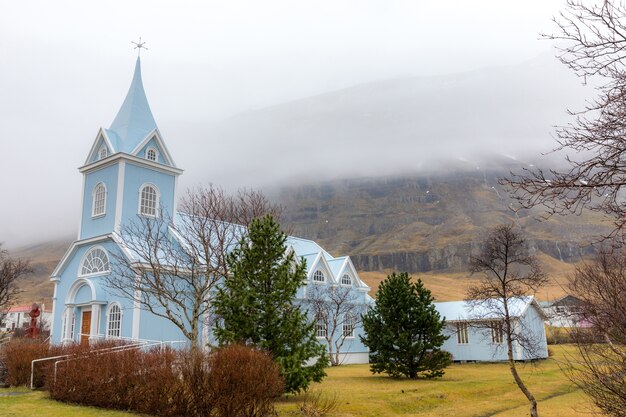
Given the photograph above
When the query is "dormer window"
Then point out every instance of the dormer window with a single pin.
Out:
(148, 200)
(151, 154)
(318, 276)
(103, 152)
(346, 280)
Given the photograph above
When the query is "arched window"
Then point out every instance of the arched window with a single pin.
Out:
(103, 152)
(114, 321)
(346, 280)
(318, 276)
(151, 154)
(99, 195)
(348, 325)
(148, 200)
(96, 261)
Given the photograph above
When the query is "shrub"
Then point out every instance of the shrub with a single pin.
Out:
(233, 381)
(244, 382)
(317, 405)
(17, 356)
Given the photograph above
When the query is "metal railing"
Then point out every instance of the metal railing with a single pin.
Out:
(135, 344)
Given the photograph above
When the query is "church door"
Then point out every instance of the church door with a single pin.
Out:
(85, 327)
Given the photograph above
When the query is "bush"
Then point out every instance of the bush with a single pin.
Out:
(244, 382)
(233, 381)
(17, 356)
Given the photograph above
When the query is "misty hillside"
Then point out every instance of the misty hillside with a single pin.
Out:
(425, 223)
(396, 126)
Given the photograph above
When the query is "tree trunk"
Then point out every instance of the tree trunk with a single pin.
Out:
(518, 380)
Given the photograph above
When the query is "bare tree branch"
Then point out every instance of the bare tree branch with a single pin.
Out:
(510, 272)
(176, 262)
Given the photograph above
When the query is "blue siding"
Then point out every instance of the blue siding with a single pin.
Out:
(136, 176)
(96, 226)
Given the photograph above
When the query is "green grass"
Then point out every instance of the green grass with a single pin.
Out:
(465, 390)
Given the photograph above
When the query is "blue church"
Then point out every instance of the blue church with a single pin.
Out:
(129, 172)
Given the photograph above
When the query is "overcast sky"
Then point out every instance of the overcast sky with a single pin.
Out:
(65, 67)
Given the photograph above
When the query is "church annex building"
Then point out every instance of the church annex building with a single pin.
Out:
(129, 172)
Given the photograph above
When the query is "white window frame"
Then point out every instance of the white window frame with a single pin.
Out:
(317, 274)
(156, 154)
(321, 328)
(84, 259)
(94, 194)
(103, 152)
(348, 326)
(156, 202)
(462, 335)
(497, 332)
(349, 280)
(108, 334)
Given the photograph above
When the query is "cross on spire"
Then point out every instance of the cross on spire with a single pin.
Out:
(139, 46)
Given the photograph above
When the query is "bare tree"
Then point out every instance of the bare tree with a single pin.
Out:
(600, 367)
(337, 314)
(510, 272)
(592, 40)
(172, 264)
(10, 271)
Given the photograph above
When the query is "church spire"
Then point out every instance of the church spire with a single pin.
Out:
(134, 120)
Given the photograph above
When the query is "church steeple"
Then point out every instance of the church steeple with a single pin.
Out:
(134, 120)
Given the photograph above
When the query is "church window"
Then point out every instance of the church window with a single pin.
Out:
(318, 276)
(346, 280)
(148, 200)
(103, 152)
(99, 200)
(151, 154)
(96, 261)
(348, 325)
(320, 327)
(114, 321)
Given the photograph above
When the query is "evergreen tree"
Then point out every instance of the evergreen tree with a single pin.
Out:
(256, 305)
(403, 330)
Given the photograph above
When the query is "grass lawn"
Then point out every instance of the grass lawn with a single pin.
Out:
(465, 390)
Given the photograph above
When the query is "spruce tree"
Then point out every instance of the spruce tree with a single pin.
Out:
(256, 305)
(404, 331)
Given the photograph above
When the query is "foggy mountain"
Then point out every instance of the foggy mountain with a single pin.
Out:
(412, 124)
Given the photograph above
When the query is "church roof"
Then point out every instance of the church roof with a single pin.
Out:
(484, 310)
(134, 120)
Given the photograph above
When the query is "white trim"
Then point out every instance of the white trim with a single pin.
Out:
(105, 138)
(70, 299)
(93, 200)
(157, 202)
(156, 134)
(95, 320)
(54, 306)
(119, 199)
(82, 207)
(136, 314)
(72, 248)
(139, 161)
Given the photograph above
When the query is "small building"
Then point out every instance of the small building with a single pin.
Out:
(18, 318)
(564, 312)
(476, 334)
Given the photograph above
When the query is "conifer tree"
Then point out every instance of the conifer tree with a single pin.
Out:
(256, 305)
(404, 331)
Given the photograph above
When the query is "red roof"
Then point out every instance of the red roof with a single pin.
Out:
(23, 309)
